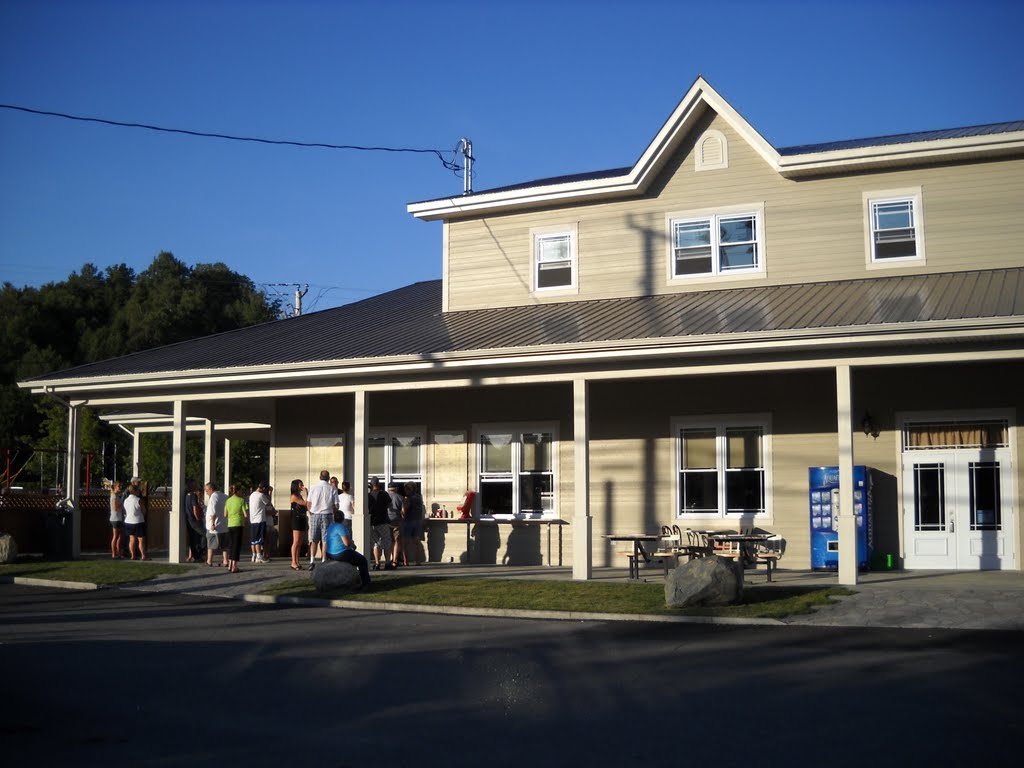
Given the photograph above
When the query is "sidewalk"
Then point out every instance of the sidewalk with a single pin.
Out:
(918, 599)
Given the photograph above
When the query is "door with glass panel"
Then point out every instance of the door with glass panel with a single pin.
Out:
(958, 509)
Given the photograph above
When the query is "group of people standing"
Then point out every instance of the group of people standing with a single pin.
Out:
(127, 521)
(324, 512)
(395, 521)
(223, 522)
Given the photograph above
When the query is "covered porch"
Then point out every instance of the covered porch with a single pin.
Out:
(614, 463)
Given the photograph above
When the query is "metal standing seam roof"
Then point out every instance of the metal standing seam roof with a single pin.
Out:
(409, 321)
(988, 129)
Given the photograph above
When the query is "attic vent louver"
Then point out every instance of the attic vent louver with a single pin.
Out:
(712, 151)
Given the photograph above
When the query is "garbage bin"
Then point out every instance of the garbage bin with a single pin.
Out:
(59, 530)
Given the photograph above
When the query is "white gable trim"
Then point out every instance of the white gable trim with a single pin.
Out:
(700, 97)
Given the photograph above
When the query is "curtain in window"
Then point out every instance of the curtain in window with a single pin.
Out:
(983, 434)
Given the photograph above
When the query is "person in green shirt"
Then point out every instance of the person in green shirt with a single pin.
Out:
(237, 510)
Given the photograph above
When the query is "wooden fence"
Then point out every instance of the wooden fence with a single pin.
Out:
(26, 516)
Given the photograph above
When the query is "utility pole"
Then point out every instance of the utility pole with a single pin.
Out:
(466, 148)
(300, 291)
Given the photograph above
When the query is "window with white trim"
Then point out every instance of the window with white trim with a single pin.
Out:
(717, 244)
(894, 227)
(723, 468)
(517, 472)
(395, 457)
(554, 260)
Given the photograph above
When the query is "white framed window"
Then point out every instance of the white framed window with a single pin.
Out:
(894, 227)
(554, 260)
(716, 244)
(395, 456)
(516, 470)
(723, 467)
(324, 452)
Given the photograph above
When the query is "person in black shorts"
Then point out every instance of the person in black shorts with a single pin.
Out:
(300, 521)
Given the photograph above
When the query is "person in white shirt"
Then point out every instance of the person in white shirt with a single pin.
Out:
(322, 500)
(216, 524)
(347, 503)
(258, 501)
(135, 524)
(116, 520)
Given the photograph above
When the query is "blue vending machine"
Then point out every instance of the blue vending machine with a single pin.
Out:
(824, 505)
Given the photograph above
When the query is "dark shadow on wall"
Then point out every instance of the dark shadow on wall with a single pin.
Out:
(609, 507)
(437, 533)
(887, 513)
(522, 547)
(486, 543)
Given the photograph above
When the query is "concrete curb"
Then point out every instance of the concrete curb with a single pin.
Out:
(504, 613)
(30, 581)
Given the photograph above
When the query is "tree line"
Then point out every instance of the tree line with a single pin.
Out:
(99, 314)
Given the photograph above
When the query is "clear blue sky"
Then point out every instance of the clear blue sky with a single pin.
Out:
(541, 88)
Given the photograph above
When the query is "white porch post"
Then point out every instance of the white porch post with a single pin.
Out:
(209, 453)
(177, 538)
(73, 464)
(847, 518)
(227, 464)
(136, 457)
(361, 519)
(582, 522)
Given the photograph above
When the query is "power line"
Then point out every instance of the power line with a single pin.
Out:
(451, 165)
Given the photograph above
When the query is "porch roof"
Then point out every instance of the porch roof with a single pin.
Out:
(409, 322)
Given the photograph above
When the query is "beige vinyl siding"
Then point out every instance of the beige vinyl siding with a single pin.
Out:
(633, 459)
(813, 227)
(295, 420)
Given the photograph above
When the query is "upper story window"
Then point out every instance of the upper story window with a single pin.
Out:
(894, 227)
(554, 260)
(716, 244)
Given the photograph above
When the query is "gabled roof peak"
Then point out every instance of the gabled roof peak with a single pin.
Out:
(856, 154)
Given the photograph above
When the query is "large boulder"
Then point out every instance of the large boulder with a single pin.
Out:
(8, 548)
(705, 581)
(334, 575)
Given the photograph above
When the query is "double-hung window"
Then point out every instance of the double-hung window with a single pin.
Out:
(716, 244)
(723, 468)
(894, 227)
(554, 260)
(516, 472)
(395, 457)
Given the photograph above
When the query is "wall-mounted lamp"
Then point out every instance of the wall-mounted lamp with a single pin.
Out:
(868, 425)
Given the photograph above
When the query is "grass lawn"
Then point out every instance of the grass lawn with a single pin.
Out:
(103, 572)
(767, 601)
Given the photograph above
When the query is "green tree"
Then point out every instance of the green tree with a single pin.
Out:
(98, 314)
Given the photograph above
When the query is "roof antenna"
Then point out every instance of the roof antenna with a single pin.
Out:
(466, 148)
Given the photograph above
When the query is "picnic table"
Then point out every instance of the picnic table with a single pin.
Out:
(638, 540)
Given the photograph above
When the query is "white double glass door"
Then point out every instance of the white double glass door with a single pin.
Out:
(958, 509)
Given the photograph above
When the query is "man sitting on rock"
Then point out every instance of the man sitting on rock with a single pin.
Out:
(341, 548)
